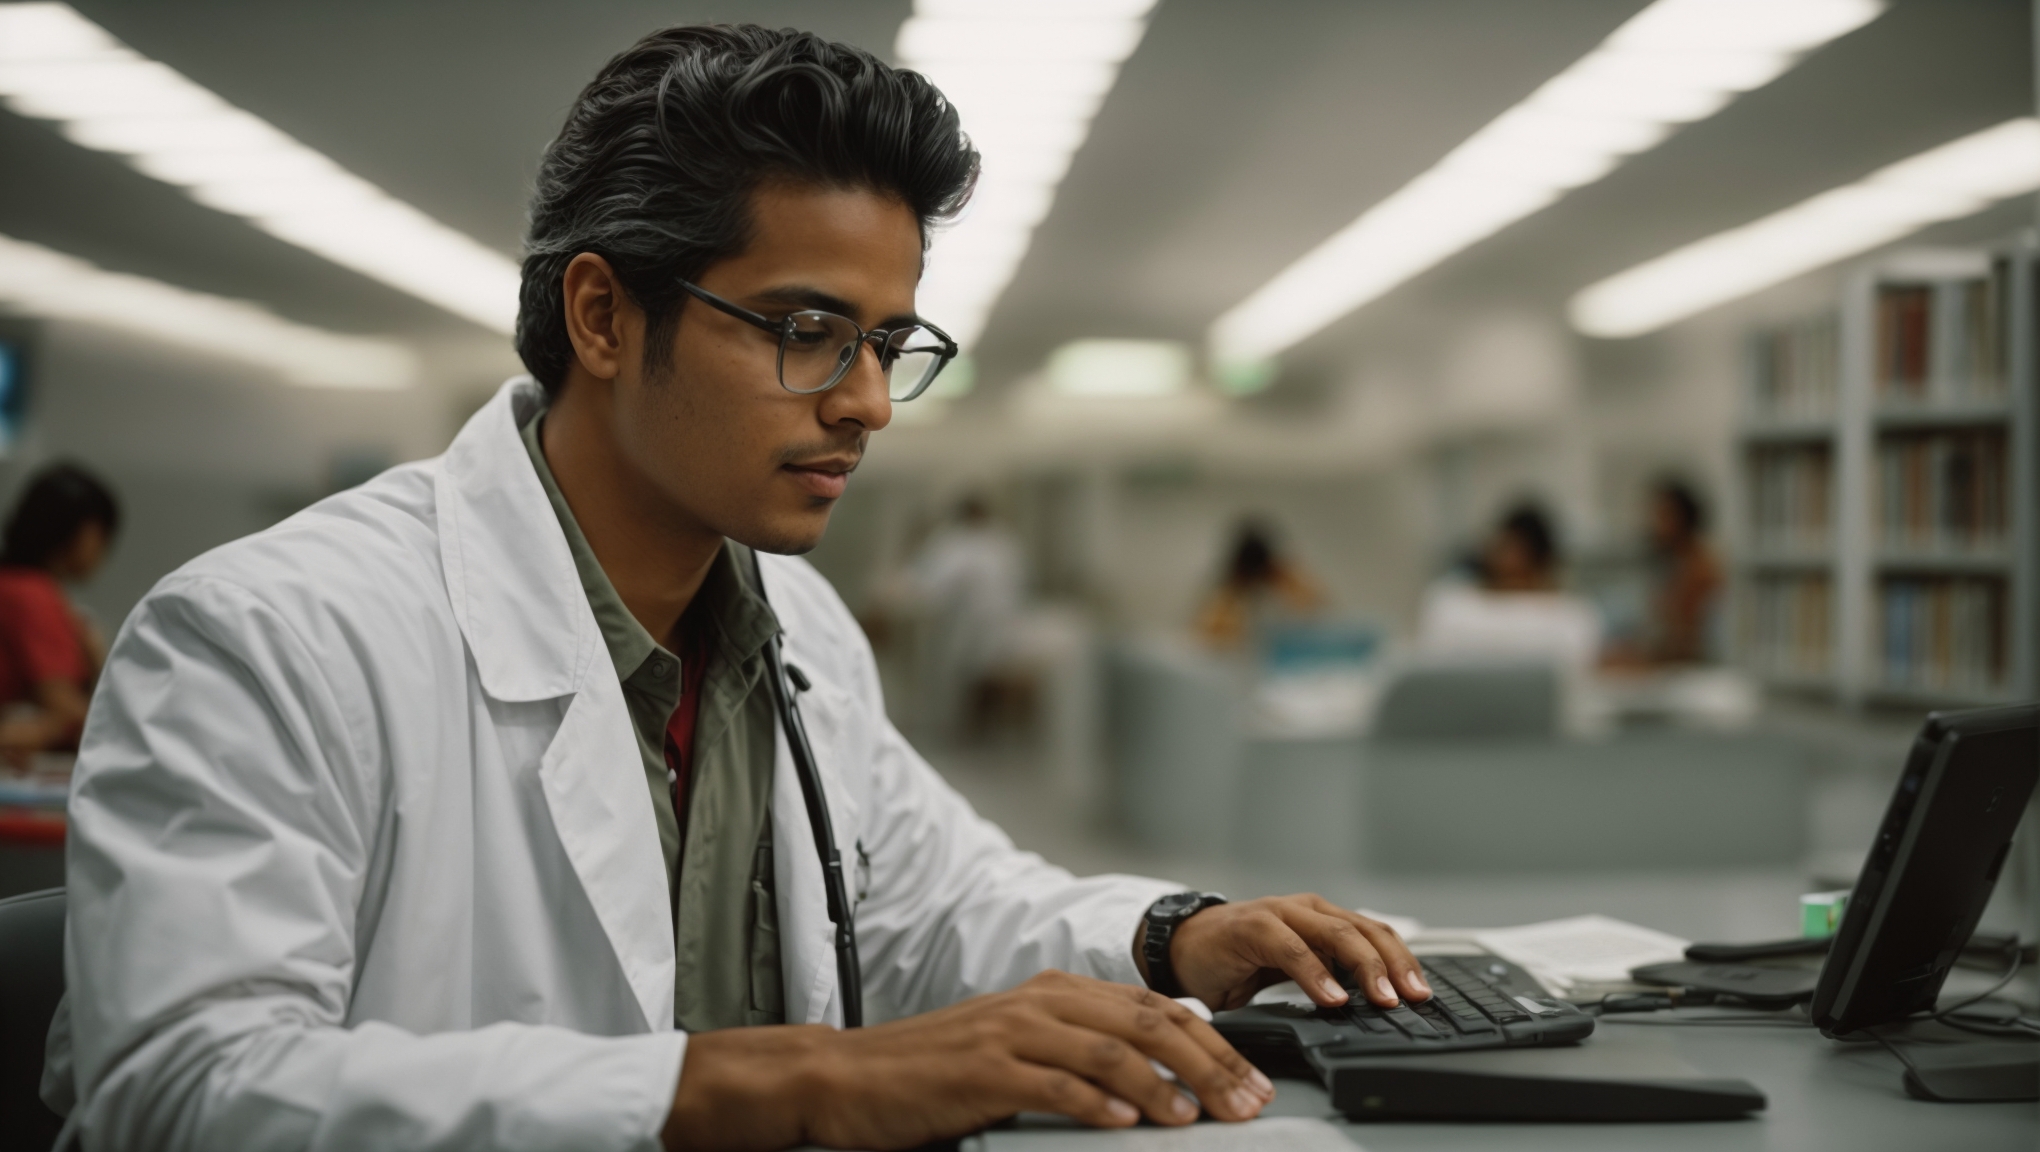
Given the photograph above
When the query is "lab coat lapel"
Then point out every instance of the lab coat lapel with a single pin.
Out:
(514, 589)
(595, 789)
(807, 938)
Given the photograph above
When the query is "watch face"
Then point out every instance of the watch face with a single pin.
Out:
(1171, 907)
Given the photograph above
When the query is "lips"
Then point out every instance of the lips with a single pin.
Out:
(824, 479)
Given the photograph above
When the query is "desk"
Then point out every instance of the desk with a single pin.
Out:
(1823, 1096)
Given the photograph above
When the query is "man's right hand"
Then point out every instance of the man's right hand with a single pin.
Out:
(1058, 1043)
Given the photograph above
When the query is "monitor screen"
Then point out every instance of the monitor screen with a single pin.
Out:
(13, 388)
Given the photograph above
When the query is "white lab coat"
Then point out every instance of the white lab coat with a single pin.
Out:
(971, 580)
(362, 854)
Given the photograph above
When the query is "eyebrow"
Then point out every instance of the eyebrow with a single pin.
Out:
(801, 296)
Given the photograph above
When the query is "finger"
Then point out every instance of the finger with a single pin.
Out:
(1270, 942)
(1402, 966)
(1109, 1062)
(1159, 1029)
(1199, 1029)
(1055, 1090)
(1342, 941)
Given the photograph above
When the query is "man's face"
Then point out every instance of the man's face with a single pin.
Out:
(713, 431)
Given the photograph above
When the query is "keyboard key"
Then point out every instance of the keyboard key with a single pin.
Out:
(1464, 1016)
(1448, 1023)
(1369, 1019)
(1412, 1023)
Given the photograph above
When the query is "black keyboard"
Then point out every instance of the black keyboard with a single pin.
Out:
(1477, 1002)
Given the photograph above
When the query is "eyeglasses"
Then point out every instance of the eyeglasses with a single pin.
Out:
(817, 349)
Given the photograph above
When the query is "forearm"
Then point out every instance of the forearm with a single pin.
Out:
(1010, 920)
(253, 1074)
(747, 1089)
(63, 711)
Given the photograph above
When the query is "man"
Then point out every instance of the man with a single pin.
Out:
(451, 812)
(970, 580)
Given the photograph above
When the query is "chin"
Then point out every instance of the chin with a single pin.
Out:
(792, 536)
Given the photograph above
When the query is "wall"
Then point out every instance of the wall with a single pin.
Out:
(200, 451)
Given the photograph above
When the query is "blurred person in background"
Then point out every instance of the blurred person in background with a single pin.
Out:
(1259, 585)
(1514, 608)
(1685, 583)
(969, 581)
(50, 652)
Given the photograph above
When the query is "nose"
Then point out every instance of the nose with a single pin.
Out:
(860, 397)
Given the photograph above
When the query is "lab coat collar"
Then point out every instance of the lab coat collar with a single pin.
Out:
(509, 572)
(514, 589)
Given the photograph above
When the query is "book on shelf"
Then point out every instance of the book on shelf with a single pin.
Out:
(1796, 369)
(1940, 342)
(1787, 625)
(1942, 633)
(1942, 492)
(1790, 505)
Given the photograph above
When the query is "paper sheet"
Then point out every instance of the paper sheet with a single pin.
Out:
(1582, 949)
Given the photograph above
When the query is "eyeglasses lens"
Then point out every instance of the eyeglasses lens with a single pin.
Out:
(819, 348)
(816, 350)
(915, 358)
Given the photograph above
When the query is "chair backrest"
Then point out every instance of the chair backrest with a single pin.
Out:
(1458, 701)
(31, 983)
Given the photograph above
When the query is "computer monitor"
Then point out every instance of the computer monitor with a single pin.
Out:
(15, 356)
(1944, 839)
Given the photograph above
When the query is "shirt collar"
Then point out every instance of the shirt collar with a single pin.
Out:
(740, 621)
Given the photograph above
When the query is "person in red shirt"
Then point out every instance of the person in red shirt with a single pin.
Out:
(49, 655)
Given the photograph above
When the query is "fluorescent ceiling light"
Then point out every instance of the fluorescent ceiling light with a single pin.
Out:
(50, 284)
(1947, 183)
(1026, 76)
(1119, 368)
(1675, 62)
(57, 65)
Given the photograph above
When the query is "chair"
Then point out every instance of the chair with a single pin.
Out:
(31, 983)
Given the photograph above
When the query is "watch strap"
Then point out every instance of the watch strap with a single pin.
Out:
(1162, 919)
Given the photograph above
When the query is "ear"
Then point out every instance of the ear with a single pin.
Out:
(603, 323)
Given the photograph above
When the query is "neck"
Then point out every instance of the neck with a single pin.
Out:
(655, 553)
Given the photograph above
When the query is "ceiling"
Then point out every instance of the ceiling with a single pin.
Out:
(1239, 136)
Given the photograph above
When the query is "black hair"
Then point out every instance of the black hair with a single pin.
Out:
(59, 501)
(1529, 525)
(655, 167)
(1685, 501)
(1253, 555)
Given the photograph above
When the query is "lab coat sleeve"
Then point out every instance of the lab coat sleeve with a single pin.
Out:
(953, 909)
(223, 819)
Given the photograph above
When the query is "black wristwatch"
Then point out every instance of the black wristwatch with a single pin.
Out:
(1163, 916)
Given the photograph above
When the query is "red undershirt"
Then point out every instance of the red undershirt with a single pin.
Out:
(680, 727)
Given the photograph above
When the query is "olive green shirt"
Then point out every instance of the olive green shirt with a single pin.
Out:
(718, 852)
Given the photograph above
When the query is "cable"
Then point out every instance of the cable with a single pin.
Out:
(1893, 1049)
(2018, 1026)
(2018, 955)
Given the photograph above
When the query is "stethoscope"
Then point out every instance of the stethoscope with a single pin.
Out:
(785, 679)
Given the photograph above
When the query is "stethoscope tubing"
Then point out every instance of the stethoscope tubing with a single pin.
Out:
(849, 978)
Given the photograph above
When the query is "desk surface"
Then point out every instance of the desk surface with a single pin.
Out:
(1823, 1095)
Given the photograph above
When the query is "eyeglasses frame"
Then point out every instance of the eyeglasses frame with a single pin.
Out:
(783, 328)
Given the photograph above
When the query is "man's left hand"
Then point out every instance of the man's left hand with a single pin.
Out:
(1226, 953)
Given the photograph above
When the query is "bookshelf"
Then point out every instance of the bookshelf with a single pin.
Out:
(1885, 487)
